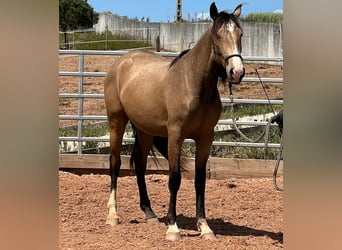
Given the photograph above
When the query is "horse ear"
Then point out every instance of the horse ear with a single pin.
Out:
(237, 11)
(213, 11)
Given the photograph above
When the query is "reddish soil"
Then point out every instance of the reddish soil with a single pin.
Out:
(243, 213)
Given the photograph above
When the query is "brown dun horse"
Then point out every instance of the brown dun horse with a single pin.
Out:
(169, 102)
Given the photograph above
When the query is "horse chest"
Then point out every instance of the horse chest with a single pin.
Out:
(202, 115)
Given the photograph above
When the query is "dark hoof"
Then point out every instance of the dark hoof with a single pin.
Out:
(208, 236)
(170, 236)
(152, 220)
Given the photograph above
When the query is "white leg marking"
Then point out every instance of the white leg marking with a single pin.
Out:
(112, 206)
(172, 233)
(203, 227)
(173, 229)
(206, 232)
(112, 218)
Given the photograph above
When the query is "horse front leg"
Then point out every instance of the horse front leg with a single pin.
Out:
(202, 153)
(174, 149)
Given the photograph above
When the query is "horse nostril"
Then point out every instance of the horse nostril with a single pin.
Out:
(237, 74)
(231, 73)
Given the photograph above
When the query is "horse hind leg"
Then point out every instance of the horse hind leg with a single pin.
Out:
(117, 128)
(141, 149)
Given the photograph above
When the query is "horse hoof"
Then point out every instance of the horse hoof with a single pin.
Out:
(208, 236)
(112, 221)
(152, 220)
(173, 236)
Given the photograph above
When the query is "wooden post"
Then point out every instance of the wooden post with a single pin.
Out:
(179, 11)
(158, 44)
(106, 37)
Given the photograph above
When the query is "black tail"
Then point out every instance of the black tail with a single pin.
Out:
(135, 151)
(159, 142)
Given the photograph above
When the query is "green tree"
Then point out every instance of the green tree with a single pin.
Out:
(75, 14)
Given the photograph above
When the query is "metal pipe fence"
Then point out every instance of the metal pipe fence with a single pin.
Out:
(80, 117)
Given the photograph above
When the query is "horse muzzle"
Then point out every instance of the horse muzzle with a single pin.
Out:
(236, 74)
(234, 68)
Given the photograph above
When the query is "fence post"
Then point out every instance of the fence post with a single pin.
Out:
(106, 37)
(73, 39)
(158, 44)
(80, 103)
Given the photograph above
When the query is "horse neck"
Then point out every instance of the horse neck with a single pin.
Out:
(200, 62)
(201, 54)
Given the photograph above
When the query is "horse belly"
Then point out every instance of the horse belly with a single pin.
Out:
(149, 120)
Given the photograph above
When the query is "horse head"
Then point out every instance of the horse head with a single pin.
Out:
(226, 42)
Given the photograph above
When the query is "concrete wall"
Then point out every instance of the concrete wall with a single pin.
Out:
(123, 25)
(262, 39)
(259, 39)
(180, 36)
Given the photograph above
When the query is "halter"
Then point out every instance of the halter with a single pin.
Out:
(225, 57)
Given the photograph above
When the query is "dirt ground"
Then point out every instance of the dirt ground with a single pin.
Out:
(243, 213)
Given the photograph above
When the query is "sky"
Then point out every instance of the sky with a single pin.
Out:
(164, 10)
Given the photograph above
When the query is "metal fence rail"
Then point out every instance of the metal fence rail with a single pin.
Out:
(80, 117)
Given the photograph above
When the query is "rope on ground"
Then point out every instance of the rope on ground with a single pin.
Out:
(275, 172)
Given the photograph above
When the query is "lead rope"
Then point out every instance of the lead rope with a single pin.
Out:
(280, 150)
(275, 172)
(265, 132)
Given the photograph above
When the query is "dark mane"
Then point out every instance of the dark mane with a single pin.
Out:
(224, 17)
(174, 61)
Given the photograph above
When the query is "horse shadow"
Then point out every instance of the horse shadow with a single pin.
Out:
(221, 227)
